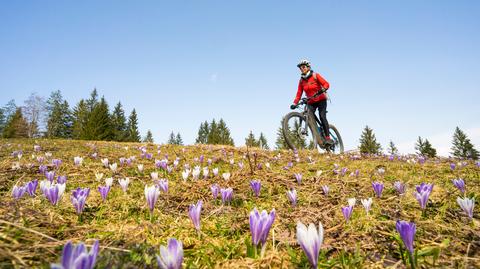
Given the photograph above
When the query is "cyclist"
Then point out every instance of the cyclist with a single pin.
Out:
(310, 83)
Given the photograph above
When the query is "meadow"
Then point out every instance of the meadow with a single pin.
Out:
(34, 230)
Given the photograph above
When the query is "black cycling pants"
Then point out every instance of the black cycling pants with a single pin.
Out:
(322, 114)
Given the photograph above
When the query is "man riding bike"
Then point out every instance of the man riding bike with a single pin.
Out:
(311, 83)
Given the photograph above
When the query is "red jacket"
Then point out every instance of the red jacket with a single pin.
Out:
(311, 86)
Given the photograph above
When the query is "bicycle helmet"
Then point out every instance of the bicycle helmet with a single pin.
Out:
(303, 62)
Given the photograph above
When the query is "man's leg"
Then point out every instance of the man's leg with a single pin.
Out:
(322, 113)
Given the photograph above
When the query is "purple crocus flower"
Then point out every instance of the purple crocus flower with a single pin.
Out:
(399, 187)
(53, 192)
(104, 190)
(422, 194)
(226, 195)
(325, 189)
(347, 212)
(31, 187)
(201, 158)
(163, 185)
(50, 175)
(452, 166)
(40, 159)
(407, 232)
(298, 177)
(57, 163)
(18, 192)
(77, 161)
(194, 213)
(171, 256)
(214, 188)
(256, 185)
(260, 224)
(292, 196)
(460, 184)
(377, 188)
(467, 205)
(310, 240)
(78, 198)
(77, 257)
(37, 148)
(42, 169)
(421, 160)
(61, 179)
(151, 194)
(343, 171)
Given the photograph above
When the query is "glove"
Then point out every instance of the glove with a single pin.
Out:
(293, 106)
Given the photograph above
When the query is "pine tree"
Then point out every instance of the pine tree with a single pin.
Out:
(16, 126)
(250, 141)
(280, 143)
(171, 139)
(203, 132)
(224, 134)
(368, 142)
(80, 119)
(149, 137)
(262, 142)
(178, 139)
(119, 123)
(99, 124)
(392, 149)
(133, 134)
(213, 136)
(424, 148)
(3, 121)
(60, 119)
(462, 147)
(93, 101)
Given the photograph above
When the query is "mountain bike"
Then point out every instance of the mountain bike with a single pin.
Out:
(303, 130)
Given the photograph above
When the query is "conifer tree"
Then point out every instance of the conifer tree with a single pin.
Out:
(250, 141)
(203, 132)
(368, 142)
(33, 112)
(93, 100)
(119, 123)
(262, 142)
(462, 147)
(280, 143)
(133, 134)
(424, 148)
(80, 119)
(99, 124)
(178, 139)
(224, 134)
(171, 139)
(59, 119)
(3, 121)
(392, 149)
(149, 137)
(16, 126)
(213, 136)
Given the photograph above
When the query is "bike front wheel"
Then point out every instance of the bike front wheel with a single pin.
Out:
(297, 133)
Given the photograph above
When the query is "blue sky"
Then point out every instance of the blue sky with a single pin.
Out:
(405, 68)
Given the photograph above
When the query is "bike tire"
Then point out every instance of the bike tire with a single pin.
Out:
(335, 134)
(313, 138)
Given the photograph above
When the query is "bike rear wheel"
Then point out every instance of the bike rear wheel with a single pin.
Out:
(337, 146)
(298, 133)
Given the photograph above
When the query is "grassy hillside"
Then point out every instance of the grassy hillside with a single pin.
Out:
(33, 231)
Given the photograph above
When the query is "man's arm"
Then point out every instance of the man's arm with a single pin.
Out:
(322, 82)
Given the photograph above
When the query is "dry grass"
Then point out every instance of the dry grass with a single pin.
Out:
(32, 231)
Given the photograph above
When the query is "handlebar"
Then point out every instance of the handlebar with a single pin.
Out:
(304, 100)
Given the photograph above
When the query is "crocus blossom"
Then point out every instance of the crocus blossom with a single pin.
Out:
(367, 203)
(124, 183)
(260, 224)
(151, 194)
(310, 240)
(256, 185)
(407, 232)
(215, 189)
(347, 212)
(422, 194)
(377, 188)
(298, 177)
(104, 190)
(292, 196)
(18, 192)
(325, 190)
(78, 198)
(467, 205)
(171, 256)
(226, 195)
(194, 213)
(460, 184)
(77, 256)
(399, 187)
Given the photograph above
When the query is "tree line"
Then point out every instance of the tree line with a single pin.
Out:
(89, 119)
